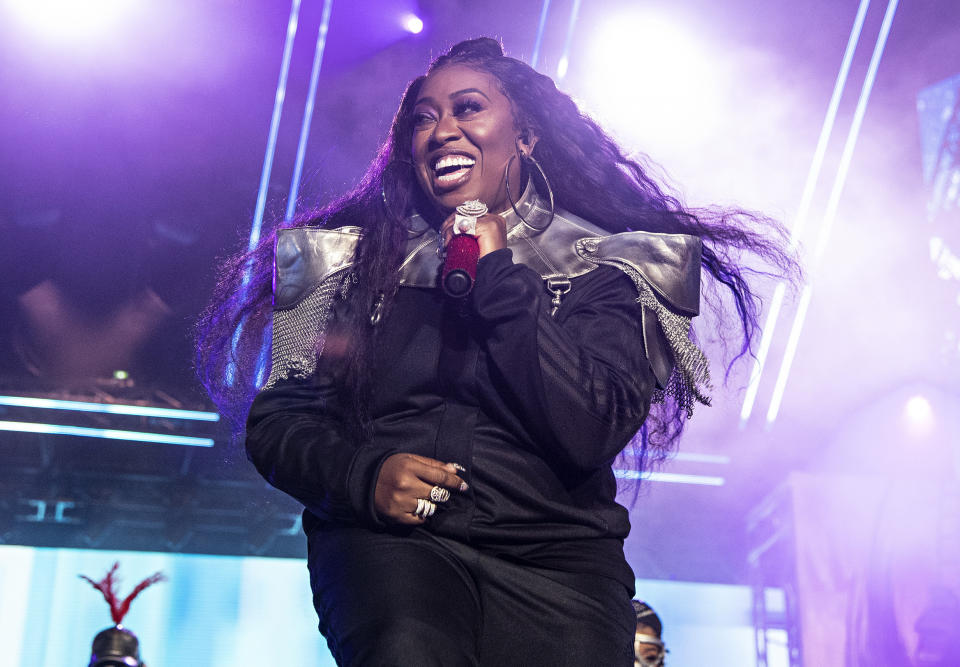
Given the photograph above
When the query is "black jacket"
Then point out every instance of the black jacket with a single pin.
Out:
(534, 406)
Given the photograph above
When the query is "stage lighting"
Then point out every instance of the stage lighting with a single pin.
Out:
(918, 414)
(918, 409)
(412, 23)
(649, 77)
(69, 20)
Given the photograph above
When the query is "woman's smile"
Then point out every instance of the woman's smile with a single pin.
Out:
(451, 170)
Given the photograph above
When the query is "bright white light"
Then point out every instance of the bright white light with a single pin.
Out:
(671, 477)
(918, 416)
(412, 23)
(946, 261)
(651, 78)
(71, 20)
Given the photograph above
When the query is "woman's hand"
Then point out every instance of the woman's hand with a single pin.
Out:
(491, 232)
(406, 478)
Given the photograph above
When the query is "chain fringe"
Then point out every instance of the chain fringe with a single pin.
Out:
(299, 333)
(689, 382)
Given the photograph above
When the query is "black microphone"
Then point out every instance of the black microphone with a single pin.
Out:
(462, 252)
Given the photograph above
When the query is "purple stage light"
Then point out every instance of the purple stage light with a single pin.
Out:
(833, 204)
(412, 23)
(544, 11)
(813, 177)
(564, 63)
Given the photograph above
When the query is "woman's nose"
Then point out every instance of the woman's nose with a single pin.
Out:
(446, 129)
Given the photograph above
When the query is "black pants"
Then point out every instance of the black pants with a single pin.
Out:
(419, 600)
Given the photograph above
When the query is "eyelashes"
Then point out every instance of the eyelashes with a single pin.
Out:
(461, 108)
(422, 118)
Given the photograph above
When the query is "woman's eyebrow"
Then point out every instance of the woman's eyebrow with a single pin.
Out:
(456, 93)
(468, 90)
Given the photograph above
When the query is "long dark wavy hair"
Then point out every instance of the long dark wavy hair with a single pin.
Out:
(590, 176)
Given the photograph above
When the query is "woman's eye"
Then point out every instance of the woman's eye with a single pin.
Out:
(422, 118)
(465, 107)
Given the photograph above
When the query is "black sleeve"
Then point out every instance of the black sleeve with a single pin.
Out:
(296, 439)
(580, 381)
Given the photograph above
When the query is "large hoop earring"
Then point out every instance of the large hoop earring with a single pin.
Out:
(506, 178)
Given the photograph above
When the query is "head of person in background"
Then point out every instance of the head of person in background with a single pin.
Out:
(648, 646)
(115, 647)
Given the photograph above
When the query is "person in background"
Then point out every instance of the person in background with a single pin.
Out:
(648, 647)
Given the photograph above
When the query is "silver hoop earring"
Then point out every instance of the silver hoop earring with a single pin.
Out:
(506, 177)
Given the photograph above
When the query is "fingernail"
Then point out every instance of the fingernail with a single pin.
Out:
(459, 467)
(464, 486)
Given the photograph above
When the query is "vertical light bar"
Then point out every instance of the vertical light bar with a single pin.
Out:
(788, 354)
(564, 63)
(281, 94)
(274, 125)
(260, 376)
(844, 168)
(544, 10)
(832, 206)
(308, 109)
(828, 122)
(766, 338)
(813, 176)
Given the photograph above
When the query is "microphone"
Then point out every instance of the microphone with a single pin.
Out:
(463, 251)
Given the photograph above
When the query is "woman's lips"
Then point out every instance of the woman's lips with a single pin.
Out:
(450, 178)
(451, 170)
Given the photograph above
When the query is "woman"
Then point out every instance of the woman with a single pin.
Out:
(454, 454)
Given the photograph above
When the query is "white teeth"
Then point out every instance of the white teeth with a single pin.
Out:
(453, 161)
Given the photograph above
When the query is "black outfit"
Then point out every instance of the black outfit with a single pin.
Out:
(527, 566)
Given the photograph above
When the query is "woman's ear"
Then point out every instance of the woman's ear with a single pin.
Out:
(526, 140)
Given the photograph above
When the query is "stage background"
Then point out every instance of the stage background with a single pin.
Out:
(221, 611)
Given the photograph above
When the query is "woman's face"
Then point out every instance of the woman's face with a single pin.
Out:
(464, 134)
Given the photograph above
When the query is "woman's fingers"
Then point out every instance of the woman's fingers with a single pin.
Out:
(491, 232)
(411, 487)
(446, 229)
(437, 473)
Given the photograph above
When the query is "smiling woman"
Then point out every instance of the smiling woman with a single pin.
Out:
(454, 455)
(465, 134)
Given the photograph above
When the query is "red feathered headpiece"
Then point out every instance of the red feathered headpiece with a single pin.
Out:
(106, 586)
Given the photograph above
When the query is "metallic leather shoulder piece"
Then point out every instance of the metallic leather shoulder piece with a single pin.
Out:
(552, 252)
(670, 263)
(664, 267)
(569, 247)
(305, 257)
